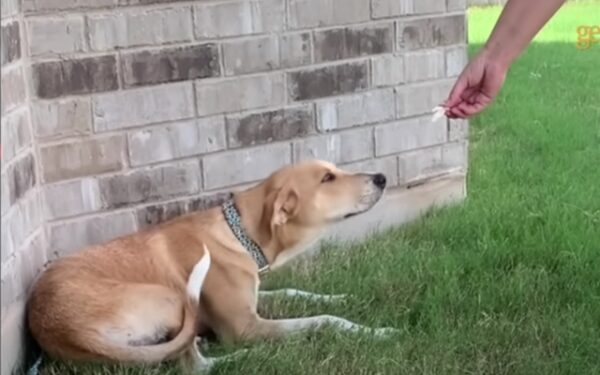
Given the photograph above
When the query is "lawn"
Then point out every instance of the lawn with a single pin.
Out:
(507, 282)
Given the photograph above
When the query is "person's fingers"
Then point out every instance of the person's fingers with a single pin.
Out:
(457, 112)
(455, 96)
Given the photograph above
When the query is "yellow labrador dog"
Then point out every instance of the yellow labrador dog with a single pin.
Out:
(144, 298)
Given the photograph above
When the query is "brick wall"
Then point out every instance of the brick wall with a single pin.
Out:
(119, 114)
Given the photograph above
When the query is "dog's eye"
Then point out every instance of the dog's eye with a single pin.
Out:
(328, 177)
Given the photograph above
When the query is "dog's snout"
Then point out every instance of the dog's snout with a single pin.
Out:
(379, 180)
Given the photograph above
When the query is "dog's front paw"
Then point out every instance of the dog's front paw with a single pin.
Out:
(385, 333)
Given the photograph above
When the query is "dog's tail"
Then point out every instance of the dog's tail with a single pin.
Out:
(187, 334)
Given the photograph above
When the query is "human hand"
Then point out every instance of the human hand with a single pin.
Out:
(476, 87)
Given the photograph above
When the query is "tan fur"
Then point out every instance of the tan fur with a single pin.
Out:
(114, 301)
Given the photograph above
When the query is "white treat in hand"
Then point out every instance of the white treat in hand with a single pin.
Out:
(438, 112)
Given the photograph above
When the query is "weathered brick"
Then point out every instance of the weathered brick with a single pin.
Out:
(349, 42)
(456, 60)
(138, 28)
(170, 64)
(79, 159)
(61, 118)
(33, 6)
(159, 213)
(417, 99)
(239, 18)
(10, 46)
(395, 8)
(7, 247)
(405, 135)
(251, 55)
(369, 107)
(430, 32)
(387, 70)
(242, 93)
(295, 49)
(69, 237)
(52, 79)
(144, 106)
(10, 8)
(30, 260)
(343, 147)
(458, 130)
(151, 184)
(147, 2)
(4, 194)
(177, 140)
(415, 166)
(15, 134)
(55, 35)
(246, 165)
(22, 220)
(256, 128)
(424, 65)
(12, 92)
(314, 13)
(72, 198)
(328, 81)
(387, 165)
(454, 5)
(21, 177)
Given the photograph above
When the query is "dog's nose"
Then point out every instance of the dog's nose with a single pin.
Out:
(379, 180)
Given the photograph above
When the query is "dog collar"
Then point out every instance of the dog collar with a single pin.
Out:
(232, 216)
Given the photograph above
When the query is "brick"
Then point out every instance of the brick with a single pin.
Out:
(395, 8)
(369, 107)
(144, 106)
(33, 6)
(431, 32)
(12, 92)
(7, 247)
(406, 135)
(338, 148)
(328, 81)
(79, 159)
(159, 213)
(455, 5)
(251, 55)
(146, 185)
(349, 42)
(418, 99)
(10, 46)
(131, 28)
(424, 65)
(10, 8)
(269, 126)
(21, 177)
(387, 70)
(30, 261)
(67, 238)
(458, 130)
(242, 93)
(55, 35)
(315, 13)
(387, 165)
(243, 166)
(21, 221)
(170, 65)
(147, 2)
(239, 18)
(295, 49)
(4, 195)
(53, 79)
(59, 118)
(72, 198)
(13, 339)
(456, 60)
(177, 140)
(416, 166)
(16, 134)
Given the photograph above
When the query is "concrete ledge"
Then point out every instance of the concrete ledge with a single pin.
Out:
(401, 205)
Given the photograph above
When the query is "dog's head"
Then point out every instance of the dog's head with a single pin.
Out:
(304, 199)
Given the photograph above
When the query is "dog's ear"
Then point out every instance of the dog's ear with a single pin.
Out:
(286, 206)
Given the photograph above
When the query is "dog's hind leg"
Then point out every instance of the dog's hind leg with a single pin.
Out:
(267, 328)
(295, 293)
(193, 362)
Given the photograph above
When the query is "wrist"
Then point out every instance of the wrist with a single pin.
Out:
(496, 54)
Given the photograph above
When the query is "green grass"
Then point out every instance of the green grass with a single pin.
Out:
(506, 283)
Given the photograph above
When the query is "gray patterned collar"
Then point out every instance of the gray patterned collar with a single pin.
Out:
(232, 216)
